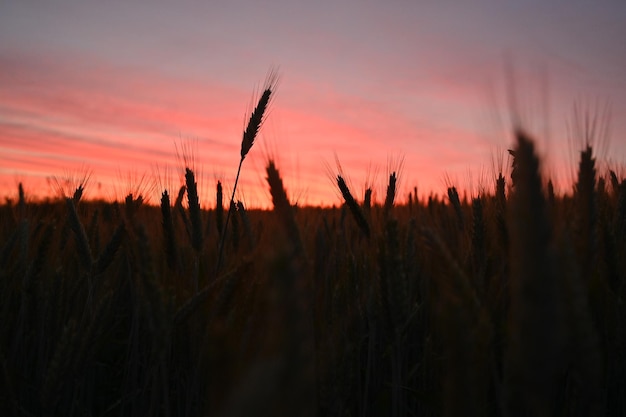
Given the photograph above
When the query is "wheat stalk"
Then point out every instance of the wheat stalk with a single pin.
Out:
(194, 210)
(614, 181)
(235, 227)
(357, 214)
(453, 195)
(391, 194)
(249, 136)
(283, 207)
(169, 237)
(219, 209)
(367, 200)
(585, 198)
(532, 358)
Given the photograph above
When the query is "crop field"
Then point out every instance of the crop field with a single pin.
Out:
(506, 303)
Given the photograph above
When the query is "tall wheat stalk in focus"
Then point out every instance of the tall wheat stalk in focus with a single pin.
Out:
(249, 135)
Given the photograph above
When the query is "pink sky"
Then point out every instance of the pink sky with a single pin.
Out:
(113, 88)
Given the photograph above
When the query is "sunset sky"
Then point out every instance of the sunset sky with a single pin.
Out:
(114, 88)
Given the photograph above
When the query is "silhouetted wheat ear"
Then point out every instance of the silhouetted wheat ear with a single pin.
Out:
(535, 338)
(194, 209)
(249, 135)
(614, 181)
(181, 211)
(219, 209)
(169, 238)
(391, 193)
(179, 197)
(513, 153)
(367, 200)
(353, 206)
(21, 205)
(131, 204)
(78, 193)
(585, 198)
(256, 118)
(453, 195)
(500, 192)
(282, 206)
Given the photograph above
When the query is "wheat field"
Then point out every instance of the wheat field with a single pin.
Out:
(506, 303)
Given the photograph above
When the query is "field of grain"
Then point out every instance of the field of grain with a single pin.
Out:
(506, 303)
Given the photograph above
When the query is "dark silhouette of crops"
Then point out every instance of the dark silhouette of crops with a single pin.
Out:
(503, 304)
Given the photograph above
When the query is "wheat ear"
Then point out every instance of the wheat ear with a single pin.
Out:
(283, 207)
(532, 358)
(360, 219)
(249, 136)
(194, 210)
